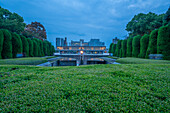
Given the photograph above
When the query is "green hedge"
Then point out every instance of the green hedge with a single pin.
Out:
(7, 45)
(143, 45)
(136, 46)
(129, 47)
(124, 48)
(16, 44)
(35, 48)
(1, 42)
(31, 49)
(114, 49)
(25, 45)
(163, 42)
(118, 48)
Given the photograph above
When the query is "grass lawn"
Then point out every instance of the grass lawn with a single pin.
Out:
(23, 61)
(141, 61)
(94, 88)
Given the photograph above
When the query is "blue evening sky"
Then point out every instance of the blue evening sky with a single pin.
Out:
(84, 19)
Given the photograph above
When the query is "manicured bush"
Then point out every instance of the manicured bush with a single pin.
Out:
(1, 42)
(118, 47)
(25, 45)
(124, 48)
(153, 42)
(111, 48)
(114, 49)
(129, 47)
(35, 48)
(143, 45)
(136, 46)
(30, 42)
(163, 42)
(41, 46)
(7, 45)
(53, 50)
(16, 44)
(38, 46)
(45, 46)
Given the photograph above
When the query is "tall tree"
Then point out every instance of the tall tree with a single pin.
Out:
(35, 30)
(163, 41)
(110, 48)
(25, 45)
(1, 42)
(16, 44)
(144, 23)
(7, 45)
(124, 48)
(136, 46)
(11, 21)
(118, 48)
(129, 47)
(143, 45)
(31, 47)
(152, 47)
(167, 17)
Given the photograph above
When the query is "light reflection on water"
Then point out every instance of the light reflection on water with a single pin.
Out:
(67, 59)
(95, 59)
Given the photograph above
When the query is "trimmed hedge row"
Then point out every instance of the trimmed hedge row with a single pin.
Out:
(11, 44)
(158, 42)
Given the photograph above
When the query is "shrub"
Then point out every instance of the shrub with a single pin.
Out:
(111, 48)
(1, 42)
(45, 46)
(124, 48)
(30, 42)
(163, 42)
(136, 46)
(114, 49)
(7, 45)
(152, 47)
(35, 48)
(25, 45)
(41, 46)
(143, 45)
(129, 47)
(16, 44)
(118, 47)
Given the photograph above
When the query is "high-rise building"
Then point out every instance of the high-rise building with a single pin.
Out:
(115, 40)
(60, 42)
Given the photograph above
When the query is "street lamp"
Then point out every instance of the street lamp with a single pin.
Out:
(81, 52)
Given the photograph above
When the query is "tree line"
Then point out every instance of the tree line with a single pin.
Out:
(145, 39)
(11, 44)
(17, 37)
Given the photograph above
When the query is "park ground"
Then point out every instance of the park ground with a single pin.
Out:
(91, 88)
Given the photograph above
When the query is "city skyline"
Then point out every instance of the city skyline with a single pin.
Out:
(84, 19)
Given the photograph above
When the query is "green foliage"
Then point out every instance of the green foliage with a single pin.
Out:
(144, 23)
(124, 48)
(25, 45)
(111, 48)
(1, 42)
(114, 49)
(11, 21)
(152, 47)
(129, 47)
(96, 88)
(136, 46)
(35, 48)
(31, 47)
(45, 47)
(144, 41)
(23, 61)
(7, 45)
(163, 42)
(16, 44)
(118, 48)
(167, 17)
(41, 46)
(141, 61)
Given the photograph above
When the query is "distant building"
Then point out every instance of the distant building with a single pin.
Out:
(60, 42)
(114, 41)
(94, 46)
